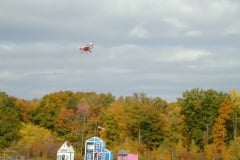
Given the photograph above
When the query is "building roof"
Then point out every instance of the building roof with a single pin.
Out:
(66, 148)
(94, 139)
(123, 152)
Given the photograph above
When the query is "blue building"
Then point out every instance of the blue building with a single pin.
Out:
(95, 150)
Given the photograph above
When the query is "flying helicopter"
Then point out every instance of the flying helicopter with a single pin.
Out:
(87, 48)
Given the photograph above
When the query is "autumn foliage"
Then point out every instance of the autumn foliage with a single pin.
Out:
(202, 124)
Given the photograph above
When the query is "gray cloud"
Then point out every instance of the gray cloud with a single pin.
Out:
(158, 47)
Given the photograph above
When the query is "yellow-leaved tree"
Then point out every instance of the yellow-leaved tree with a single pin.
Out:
(219, 131)
(235, 99)
(36, 142)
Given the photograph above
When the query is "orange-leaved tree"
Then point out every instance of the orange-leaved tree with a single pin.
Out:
(219, 131)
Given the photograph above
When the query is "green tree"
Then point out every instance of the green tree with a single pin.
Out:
(174, 124)
(134, 114)
(9, 120)
(151, 128)
(145, 118)
(111, 131)
(200, 108)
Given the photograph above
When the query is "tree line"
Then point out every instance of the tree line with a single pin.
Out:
(201, 124)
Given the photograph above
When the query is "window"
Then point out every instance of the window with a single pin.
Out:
(98, 146)
(88, 156)
(102, 156)
(90, 147)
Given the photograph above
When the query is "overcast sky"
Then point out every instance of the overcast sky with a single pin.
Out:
(157, 47)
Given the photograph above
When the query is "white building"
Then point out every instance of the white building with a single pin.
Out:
(65, 152)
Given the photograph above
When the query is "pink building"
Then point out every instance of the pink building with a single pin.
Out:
(125, 155)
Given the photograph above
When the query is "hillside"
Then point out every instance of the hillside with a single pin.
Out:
(202, 124)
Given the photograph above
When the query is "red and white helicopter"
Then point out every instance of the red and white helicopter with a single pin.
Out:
(87, 48)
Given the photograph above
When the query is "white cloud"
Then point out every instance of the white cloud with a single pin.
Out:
(193, 33)
(114, 70)
(175, 23)
(233, 29)
(6, 47)
(139, 32)
(180, 54)
(176, 28)
(8, 76)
